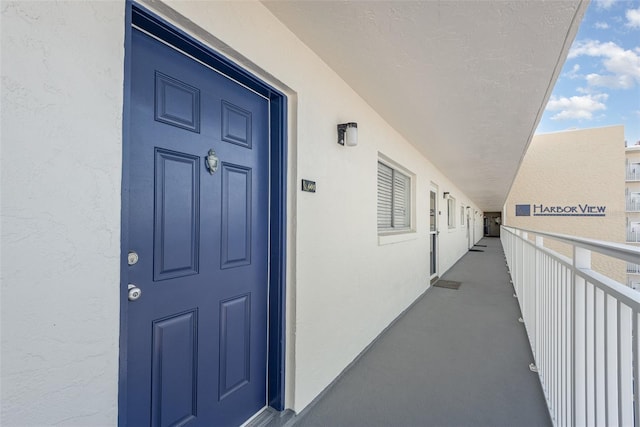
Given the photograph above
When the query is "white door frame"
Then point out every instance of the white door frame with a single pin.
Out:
(433, 233)
(470, 241)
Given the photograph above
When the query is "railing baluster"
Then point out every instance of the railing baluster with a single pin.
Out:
(613, 362)
(591, 356)
(554, 340)
(599, 343)
(636, 367)
(568, 349)
(620, 348)
(538, 284)
(579, 351)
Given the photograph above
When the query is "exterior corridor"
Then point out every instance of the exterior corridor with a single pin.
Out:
(455, 358)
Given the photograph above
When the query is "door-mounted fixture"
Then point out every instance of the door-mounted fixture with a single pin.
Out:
(132, 258)
(212, 161)
(133, 293)
(348, 134)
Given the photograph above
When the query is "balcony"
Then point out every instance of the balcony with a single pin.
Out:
(633, 236)
(633, 204)
(633, 173)
(633, 268)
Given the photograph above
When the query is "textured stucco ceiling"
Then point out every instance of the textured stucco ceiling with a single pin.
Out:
(464, 81)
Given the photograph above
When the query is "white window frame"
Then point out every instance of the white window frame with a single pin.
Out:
(406, 231)
(462, 215)
(451, 212)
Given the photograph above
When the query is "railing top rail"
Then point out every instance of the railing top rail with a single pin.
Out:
(616, 250)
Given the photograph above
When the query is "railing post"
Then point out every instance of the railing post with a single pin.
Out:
(538, 266)
(523, 273)
(579, 394)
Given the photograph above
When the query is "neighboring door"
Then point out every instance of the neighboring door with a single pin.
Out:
(633, 203)
(473, 229)
(633, 234)
(197, 335)
(492, 224)
(433, 232)
(469, 241)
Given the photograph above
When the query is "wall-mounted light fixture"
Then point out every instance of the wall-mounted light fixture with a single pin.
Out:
(348, 133)
(445, 195)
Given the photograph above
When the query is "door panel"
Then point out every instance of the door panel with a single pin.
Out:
(174, 370)
(236, 227)
(177, 103)
(236, 125)
(197, 337)
(235, 331)
(177, 222)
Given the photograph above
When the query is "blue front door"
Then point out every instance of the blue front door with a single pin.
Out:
(197, 335)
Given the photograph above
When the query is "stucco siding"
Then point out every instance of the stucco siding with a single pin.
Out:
(62, 75)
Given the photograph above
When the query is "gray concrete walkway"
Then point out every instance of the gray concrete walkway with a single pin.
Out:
(456, 358)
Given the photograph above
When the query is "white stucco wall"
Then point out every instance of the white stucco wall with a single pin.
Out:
(61, 169)
(62, 74)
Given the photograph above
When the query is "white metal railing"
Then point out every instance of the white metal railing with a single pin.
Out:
(633, 236)
(582, 326)
(633, 268)
(633, 174)
(633, 205)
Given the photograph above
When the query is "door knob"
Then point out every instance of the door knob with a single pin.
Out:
(134, 292)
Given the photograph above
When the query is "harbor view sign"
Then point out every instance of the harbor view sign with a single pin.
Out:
(559, 210)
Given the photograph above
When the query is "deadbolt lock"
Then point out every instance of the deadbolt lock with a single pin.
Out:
(132, 257)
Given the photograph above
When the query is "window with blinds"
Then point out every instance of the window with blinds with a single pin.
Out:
(394, 199)
(451, 212)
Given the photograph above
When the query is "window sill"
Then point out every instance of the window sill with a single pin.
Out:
(392, 237)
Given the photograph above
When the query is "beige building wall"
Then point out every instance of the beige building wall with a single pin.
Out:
(573, 169)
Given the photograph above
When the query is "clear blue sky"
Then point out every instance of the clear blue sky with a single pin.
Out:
(600, 83)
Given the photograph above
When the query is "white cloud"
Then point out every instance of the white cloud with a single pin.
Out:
(601, 25)
(623, 65)
(605, 4)
(633, 18)
(621, 81)
(577, 107)
(573, 74)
